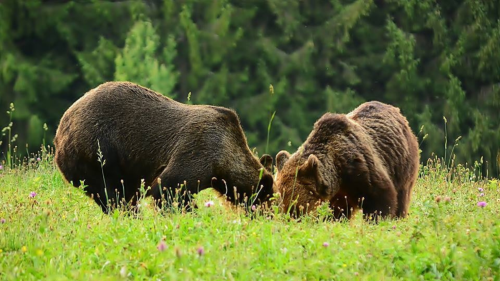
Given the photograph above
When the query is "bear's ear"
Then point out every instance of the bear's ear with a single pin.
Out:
(312, 171)
(267, 161)
(310, 168)
(281, 159)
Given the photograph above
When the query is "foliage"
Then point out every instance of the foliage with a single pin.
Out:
(430, 58)
(138, 61)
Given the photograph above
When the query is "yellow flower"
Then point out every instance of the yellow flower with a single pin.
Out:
(1, 251)
(39, 252)
(24, 249)
(344, 265)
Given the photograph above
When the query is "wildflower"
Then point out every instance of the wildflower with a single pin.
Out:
(162, 246)
(481, 195)
(480, 189)
(39, 252)
(123, 271)
(209, 204)
(32, 194)
(24, 249)
(481, 204)
(438, 198)
(447, 199)
(393, 227)
(326, 244)
(38, 159)
(1, 167)
(200, 251)
(2, 220)
(254, 208)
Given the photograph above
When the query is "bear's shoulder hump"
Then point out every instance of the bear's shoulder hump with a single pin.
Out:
(333, 123)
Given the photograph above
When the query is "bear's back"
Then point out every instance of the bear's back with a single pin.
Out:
(130, 119)
(392, 137)
(122, 96)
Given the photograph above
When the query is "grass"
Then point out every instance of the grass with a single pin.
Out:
(60, 234)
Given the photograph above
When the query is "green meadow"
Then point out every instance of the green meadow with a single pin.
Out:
(51, 231)
(279, 65)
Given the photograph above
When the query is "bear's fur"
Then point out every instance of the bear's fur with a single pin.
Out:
(144, 136)
(366, 159)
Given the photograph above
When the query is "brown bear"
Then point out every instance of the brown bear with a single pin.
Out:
(366, 159)
(143, 135)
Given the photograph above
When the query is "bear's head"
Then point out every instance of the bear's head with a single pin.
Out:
(301, 183)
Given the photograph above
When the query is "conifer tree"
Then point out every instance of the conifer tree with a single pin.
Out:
(142, 61)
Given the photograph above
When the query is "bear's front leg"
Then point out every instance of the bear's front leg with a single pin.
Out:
(169, 190)
(381, 202)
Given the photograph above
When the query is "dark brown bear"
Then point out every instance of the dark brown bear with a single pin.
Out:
(145, 136)
(366, 159)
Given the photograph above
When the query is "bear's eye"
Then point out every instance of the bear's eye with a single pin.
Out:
(310, 187)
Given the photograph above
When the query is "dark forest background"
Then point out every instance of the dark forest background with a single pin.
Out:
(439, 61)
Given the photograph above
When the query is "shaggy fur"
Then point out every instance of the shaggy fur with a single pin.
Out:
(144, 136)
(366, 159)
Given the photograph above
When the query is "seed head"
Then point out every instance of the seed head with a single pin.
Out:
(178, 252)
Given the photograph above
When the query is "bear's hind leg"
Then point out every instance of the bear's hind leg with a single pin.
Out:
(110, 193)
(95, 189)
(404, 198)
